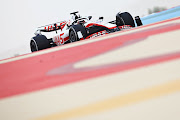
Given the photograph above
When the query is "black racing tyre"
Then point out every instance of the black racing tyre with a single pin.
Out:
(39, 42)
(124, 19)
(73, 37)
(73, 32)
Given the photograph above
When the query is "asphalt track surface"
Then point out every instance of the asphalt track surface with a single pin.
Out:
(131, 74)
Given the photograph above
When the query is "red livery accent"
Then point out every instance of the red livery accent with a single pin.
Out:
(97, 34)
(59, 40)
(62, 25)
(66, 39)
(91, 24)
(125, 27)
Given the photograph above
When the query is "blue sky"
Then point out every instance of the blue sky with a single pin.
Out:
(20, 18)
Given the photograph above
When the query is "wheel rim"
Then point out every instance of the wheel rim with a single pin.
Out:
(72, 37)
(33, 46)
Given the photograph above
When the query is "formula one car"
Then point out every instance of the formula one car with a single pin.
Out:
(79, 28)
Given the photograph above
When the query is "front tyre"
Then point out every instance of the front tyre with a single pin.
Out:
(73, 37)
(39, 42)
(124, 19)
(77, 32)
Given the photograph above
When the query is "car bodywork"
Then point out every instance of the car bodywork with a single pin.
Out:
(83, 28)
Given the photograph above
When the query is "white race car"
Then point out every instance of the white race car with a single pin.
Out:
(79, 28)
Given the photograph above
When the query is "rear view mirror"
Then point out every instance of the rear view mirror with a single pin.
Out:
(89, 17)
(101, 18)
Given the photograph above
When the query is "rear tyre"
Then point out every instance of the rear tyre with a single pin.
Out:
(124, 19)
(39, 42)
